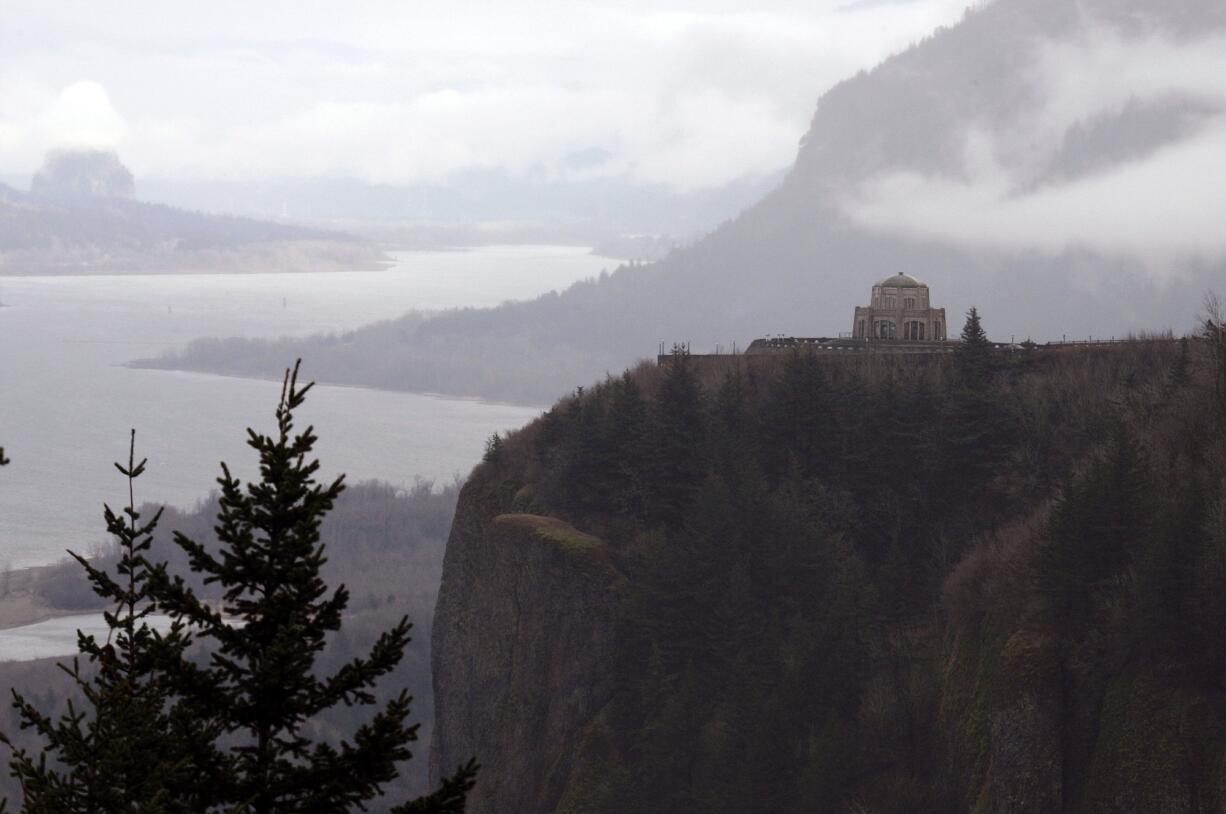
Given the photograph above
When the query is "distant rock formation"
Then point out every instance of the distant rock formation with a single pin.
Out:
(81, 217)
(83, 174)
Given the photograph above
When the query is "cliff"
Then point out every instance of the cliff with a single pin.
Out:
(868, 587)
(525, 625)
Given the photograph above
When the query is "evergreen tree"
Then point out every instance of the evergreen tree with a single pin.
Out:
(973, 358)
(973, 443)
(978, 430)
(734, 432)
(1214, 334)
(1094, 532)
(797, 423)
(129, 748)
(680, 430)
(1180, 371)
(590, 473)
(493, 449)
(1165, 585)
(259, 689)
(628, 428)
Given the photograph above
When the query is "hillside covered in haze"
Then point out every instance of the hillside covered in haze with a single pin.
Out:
(81, 217)
(1055, 163)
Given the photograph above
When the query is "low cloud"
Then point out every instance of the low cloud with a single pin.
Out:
(79, 116)
(691, 98)
(1162, 209)
(1019, 187)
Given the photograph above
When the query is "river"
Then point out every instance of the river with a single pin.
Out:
(67, 403)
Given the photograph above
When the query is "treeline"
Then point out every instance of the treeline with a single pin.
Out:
(827, 560)
(488, 352)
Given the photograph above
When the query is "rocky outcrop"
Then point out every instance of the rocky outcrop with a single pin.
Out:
(522, 648)
(1024, 728)
(83, 174)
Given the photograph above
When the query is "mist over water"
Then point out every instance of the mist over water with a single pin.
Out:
(66, 402)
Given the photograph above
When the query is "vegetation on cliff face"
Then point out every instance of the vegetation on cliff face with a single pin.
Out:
(932, 584)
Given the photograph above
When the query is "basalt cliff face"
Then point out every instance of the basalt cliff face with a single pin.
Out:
(522, 651)
(943, 585)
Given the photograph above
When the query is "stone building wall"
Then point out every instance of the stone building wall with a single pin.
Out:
(900, 309)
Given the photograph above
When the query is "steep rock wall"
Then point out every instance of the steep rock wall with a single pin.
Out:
(522, 647)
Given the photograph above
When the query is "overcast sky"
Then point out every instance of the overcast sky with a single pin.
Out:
(689, 94)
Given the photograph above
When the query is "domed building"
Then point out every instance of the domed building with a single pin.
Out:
(900, 309)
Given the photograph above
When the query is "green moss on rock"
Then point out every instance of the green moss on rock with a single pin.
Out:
(525, 498)
(566, 536)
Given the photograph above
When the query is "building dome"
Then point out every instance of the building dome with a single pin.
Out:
(902, 281)
(900, 310)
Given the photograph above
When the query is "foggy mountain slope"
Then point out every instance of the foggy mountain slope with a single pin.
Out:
(998, 161)
(78, 221)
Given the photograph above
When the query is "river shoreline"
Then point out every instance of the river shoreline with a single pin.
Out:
(19, 602)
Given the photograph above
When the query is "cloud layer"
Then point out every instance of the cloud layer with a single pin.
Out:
(1153, 111)
(692, 97)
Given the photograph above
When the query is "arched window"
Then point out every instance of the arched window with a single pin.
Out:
(921, 330)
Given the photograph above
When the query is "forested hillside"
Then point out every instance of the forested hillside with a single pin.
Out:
(936, 163)
(927, 584)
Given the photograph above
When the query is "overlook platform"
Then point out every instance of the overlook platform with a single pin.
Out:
(859, 348)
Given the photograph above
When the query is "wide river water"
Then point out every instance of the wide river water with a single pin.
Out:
(58, 637)
(67, 403)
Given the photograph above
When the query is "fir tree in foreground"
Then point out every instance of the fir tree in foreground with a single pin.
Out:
(260, 689)
(126, 748)
(224, 727)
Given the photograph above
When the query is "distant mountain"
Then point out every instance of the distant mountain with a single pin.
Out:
(1021, 161)
(83, 175)
(81, 217)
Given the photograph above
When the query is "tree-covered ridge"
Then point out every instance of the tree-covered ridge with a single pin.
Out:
(843, 578)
